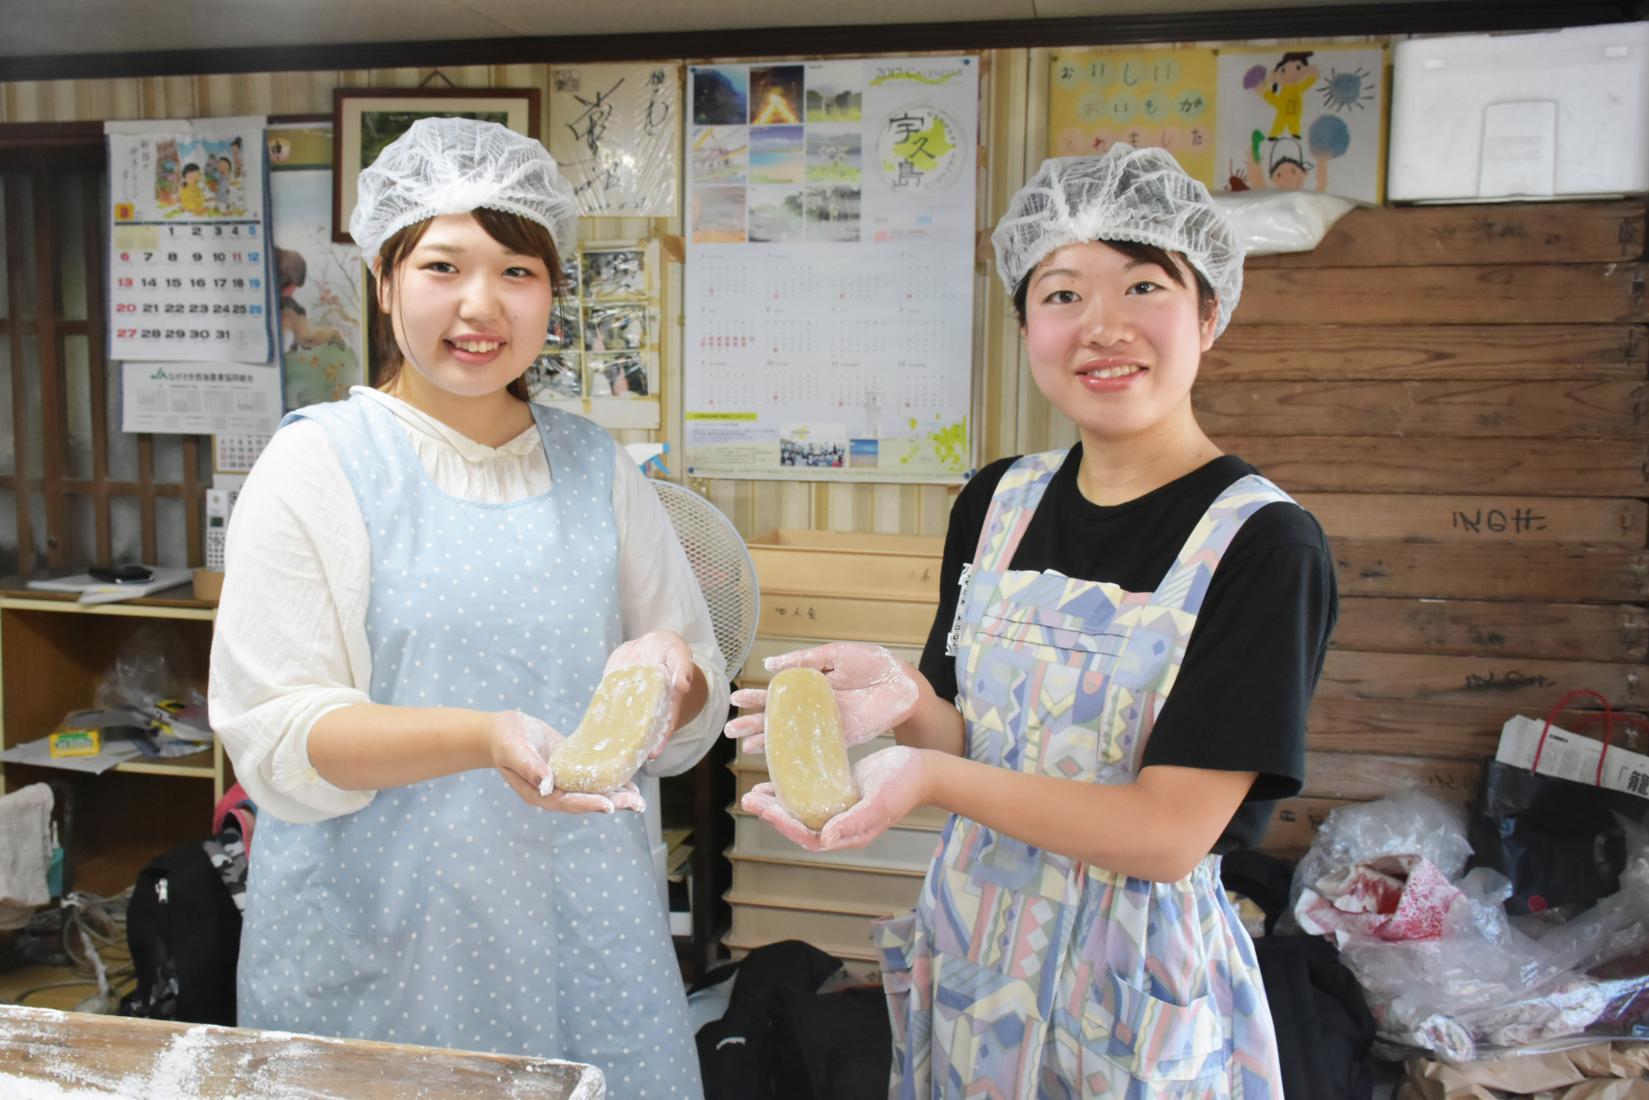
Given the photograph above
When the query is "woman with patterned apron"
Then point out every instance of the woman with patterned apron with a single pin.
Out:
(425, 583)
(1114, 691)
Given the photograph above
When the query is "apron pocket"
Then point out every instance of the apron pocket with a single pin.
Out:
(1153, 1039)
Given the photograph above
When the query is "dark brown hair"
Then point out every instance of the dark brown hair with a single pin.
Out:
(514, 232)
(1207, 300)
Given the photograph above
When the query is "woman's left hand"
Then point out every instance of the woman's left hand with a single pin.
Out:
(892, 782)
(659, 647)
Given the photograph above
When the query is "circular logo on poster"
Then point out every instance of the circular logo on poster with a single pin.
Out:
(920, 150)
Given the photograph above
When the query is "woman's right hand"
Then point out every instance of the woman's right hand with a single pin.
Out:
(521, 746)
(875, 691)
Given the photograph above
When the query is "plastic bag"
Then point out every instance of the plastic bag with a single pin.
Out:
(1411, 823)
(1493, 981)
(1273, 221)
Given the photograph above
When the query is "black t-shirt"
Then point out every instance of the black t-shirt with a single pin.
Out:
(1240, 700)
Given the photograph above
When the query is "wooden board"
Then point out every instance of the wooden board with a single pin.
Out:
(1536, 571)
(1563, 631)
(1476, 519)
(1517, 685)
(1508, 294)
(1363, 775)
(1509, 233)
(1584, 409)
(167, 1061)
(1385, 464)
(1295, 824)
(1467, 352)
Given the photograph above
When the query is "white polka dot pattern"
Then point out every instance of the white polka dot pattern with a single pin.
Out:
(450, 913)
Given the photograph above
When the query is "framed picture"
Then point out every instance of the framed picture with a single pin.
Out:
(364, 120)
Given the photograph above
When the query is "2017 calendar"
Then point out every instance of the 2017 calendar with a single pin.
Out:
(829, 279)
(189, 257)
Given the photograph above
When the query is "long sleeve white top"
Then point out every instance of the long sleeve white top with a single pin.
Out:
(290, 640)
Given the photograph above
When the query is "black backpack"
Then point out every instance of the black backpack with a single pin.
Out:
(183, 928)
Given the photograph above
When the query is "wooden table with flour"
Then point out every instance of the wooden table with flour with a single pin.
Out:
(51, 1055)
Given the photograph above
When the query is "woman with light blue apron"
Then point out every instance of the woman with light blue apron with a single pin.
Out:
(425, 583)
(1113, 693)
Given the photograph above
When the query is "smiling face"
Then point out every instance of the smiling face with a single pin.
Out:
(469, 313)
(1113, 340)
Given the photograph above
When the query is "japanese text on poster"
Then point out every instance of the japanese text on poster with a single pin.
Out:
(829, 283)
(188, 261)
(1162, 98)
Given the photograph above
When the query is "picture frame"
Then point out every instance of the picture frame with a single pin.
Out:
(364, 120)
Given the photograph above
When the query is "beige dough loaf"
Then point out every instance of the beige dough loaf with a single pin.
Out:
(806, 756)
(627, 719)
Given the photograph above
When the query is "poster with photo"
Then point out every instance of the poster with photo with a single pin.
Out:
(615, 131)
(319, 283)
(1302, 117)
(830, 214)
(1159, 98)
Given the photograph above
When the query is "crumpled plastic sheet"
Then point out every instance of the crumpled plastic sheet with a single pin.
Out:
(1486, 982)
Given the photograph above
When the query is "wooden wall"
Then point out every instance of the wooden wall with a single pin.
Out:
(1458, 393)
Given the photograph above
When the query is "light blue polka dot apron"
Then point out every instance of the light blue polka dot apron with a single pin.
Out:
(450, 913)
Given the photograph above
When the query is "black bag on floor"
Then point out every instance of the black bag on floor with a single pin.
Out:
(183, 928)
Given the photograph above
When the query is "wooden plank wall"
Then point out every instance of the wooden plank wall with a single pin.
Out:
(1458, 394)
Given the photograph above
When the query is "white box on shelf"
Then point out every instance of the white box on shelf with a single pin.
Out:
(1542, 115)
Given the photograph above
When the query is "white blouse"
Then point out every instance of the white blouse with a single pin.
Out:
(290, 640)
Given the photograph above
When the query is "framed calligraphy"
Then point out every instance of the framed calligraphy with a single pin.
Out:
(364, 120)
(615, 130)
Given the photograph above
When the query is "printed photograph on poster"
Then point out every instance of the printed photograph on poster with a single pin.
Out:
(835, 91)
(718, 215)
(776, 95)
(1159, 98)
(833, 154)
(778, 155)
(620, 374)
(364, 120)
(832, 214)
(612, 274)
(565, 328)
(720, 154)
(615, 328)
(775, 214)
(318, 283)
(188, 263)
(556, 375)
(1303, 118)
(613, 132)
(816, 445)
(721, 95)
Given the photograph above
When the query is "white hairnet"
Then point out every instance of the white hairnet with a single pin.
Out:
(1128, 194)
(456, 165)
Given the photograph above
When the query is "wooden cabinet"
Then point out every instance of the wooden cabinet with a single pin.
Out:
(53, 653)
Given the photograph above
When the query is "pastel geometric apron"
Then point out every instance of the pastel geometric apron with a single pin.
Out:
(1023, 973)
(449, 913)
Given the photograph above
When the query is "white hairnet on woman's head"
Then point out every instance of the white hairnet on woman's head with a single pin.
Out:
(1128, 194)
(456, 165)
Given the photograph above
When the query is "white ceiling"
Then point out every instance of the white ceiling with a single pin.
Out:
(36, 27)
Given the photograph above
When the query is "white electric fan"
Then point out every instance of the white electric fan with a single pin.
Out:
(727, 577)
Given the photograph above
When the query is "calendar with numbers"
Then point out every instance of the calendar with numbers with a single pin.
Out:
(189, 257)
(829, 276)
